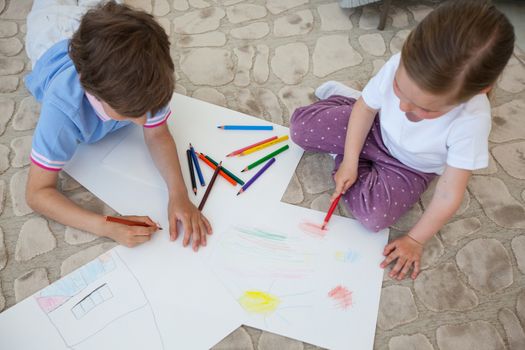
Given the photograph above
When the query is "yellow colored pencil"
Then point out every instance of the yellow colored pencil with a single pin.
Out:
(264, 145)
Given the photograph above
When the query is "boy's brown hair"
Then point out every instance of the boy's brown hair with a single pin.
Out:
(122, 56)
(462, 47)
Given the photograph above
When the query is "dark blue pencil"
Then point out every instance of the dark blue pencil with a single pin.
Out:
(192, 173)
(197, 166)
(246, 127)
(252, 180)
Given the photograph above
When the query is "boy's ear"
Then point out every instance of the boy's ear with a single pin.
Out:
(486, 90)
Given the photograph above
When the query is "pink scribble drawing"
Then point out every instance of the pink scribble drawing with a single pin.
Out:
(342, 296)
(312, 229)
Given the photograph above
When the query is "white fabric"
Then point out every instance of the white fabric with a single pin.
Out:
(458, 138)
(331, 88)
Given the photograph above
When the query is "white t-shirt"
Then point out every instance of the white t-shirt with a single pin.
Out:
(458, 138)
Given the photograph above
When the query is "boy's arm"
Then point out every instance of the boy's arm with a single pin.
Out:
(164, 153)
(43, 197)
(445, 202)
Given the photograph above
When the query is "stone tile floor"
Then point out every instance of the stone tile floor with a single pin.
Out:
(265, 58)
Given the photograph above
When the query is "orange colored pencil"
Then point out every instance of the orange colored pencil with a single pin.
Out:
(128, 222)
(213, 166)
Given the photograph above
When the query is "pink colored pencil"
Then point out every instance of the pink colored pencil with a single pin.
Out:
(234, 153)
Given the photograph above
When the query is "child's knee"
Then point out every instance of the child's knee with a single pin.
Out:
(298, 126)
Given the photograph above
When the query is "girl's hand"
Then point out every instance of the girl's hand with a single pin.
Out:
(344, 177)
(408, 253)
(195, 225)
(129, 236)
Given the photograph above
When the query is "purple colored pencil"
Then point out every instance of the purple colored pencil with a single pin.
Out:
(259, 173)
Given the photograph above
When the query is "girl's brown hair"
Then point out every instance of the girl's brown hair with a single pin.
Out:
(123, 58)
(462, 47)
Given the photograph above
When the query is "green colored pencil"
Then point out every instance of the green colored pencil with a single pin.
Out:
(265, 158)
(230, 174)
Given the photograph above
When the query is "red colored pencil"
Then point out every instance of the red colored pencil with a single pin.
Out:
(128, 222)
(234, 153)
(213, 166)
(330, 212)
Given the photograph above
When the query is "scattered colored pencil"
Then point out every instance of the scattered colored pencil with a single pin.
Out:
(264, 145)
(245, 127)
(128, 222)
(265, 158)
(213, 166)
(210, 185)
(192, 173)
(229, 173)
(197, 166)
(252, 180)
(234, 153)
(330, 211)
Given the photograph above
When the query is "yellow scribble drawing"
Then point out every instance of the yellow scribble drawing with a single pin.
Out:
(255, 301)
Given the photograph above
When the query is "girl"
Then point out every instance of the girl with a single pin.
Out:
(425, 113)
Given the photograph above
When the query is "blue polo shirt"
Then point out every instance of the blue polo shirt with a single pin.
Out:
(67, 118)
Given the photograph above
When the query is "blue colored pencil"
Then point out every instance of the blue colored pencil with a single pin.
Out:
(246, 127)
(197, 166)
(252, 180)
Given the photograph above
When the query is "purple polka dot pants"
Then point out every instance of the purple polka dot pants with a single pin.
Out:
(385, 188)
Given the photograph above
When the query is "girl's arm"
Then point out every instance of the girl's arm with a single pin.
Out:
(445, 202)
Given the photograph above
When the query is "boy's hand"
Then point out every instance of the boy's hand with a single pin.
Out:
(129, 236)
(345, 177)
(195, 225)
(408, 253)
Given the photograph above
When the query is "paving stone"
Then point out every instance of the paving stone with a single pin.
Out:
(270, 107)
(27, 115)
(491, 169)
(22, 148)
(261, 69)
(238, 339)
(512, 158)
(180, 5)
(523, 195)
(377, 65)
(369, 18)
(245, 56)
(300, 22)
(160, 8)
(373, 44)
(486, 264)
(290, 62)
(520, 305)
(409, 219)
(17, 10)
(17, 187)
(507, 122)
(455, 231)
(399, 17)
(518, 247)
(433, 251)
(245, 12)
(2, 5)
(10, 66)
(333, 53)
(200, 21)
(294, 192)
(270, 341)
(397, 307)
(420, 11)
(315, 173)
(207, 66)
(66, 182)
(251, 31)
(4, 158)
(440, 289)
(8, 84)
(210, 95)
(35, 238)
(2, 299)
(141, 4)
(416, 341)
(397, 41)
(497, 202)
(333, 17)
(30, 283)
(296, 96)
(165, 23)
(426, 197)
(278, 6)
(513, 330)
(7, 29)
(199, 4)
(513, 78)
(2, 199)
(479, 335)
(201, 40)
(3, 251)
(83, 257)
(323, 202)
(180, 89)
